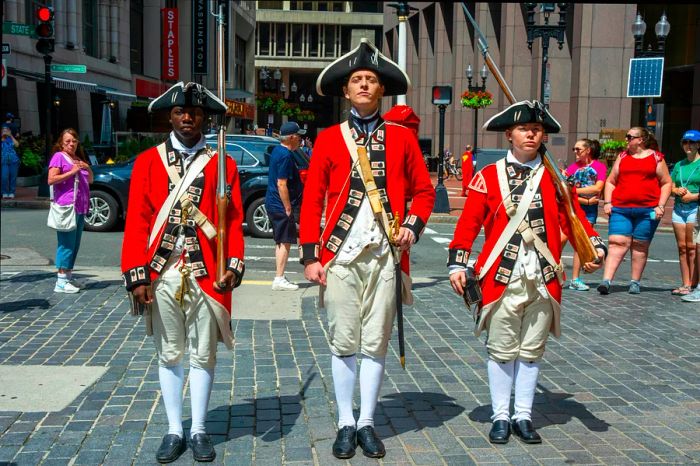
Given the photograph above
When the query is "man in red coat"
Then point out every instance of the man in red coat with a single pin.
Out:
(467, 169)
(355, 254)
(169, 259)
(519, 267)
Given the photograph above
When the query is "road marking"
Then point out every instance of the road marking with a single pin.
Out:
(441, 239)
(256, 282)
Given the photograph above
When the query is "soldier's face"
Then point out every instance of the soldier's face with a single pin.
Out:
(364, 90)
(526, 138)
(187, 121)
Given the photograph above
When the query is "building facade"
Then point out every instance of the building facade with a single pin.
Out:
(132, 50)
(588, 76)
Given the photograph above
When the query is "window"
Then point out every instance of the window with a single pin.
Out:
(345, 38)
(136, 36)
(297, 40)
(270, 5)
(239, 71)
(280, 39)
(242, 157)
(329, 40)
(90, 32)
(366, 7)
(313, 37)
(263, 31)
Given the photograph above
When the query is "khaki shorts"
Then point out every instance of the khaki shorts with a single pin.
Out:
(519, 325)
(360, 299)
(175, 327)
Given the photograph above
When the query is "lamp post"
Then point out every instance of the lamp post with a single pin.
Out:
(545, 31)
(277, 76)
(293, 89)
(402, 12)
(57, 108)
(662, 28)
(482, 88)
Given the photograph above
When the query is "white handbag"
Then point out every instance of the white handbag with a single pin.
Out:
(62, 217)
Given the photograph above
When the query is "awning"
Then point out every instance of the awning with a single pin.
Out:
(238, 94)
(73, 85)
(118, 95)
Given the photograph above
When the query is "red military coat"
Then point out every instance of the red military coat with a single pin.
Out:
(484, 207)
(147, 193)
(406, 178)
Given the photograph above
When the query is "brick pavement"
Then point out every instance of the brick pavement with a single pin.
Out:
(620, 387)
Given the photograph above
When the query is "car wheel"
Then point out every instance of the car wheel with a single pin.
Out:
(258, 222)
(104, 212)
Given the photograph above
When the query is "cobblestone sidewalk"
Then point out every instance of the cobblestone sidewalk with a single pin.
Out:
(620, 387)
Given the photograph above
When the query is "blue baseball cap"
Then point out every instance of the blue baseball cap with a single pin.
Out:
(289, 128)
(691, 135)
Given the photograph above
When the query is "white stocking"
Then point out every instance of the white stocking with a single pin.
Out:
(172, 379)
(371, 376)
(500, 385)
(200, 390)
(526, 373)
(344, 374)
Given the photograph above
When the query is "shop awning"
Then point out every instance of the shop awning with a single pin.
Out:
(118, 95)
(73, 85)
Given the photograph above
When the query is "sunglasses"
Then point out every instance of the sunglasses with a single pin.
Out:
(688, 141)
(629, 137)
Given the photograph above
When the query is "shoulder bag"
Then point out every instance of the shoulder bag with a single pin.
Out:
(62, 217)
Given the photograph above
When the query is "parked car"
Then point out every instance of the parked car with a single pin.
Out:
(109, 192)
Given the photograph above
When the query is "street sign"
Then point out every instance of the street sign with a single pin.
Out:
(68, 69)
(645, 77)
(3, 73)
(5, 48)
(16, 29)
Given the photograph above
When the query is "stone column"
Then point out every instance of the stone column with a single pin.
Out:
(103, 28)
(114, 30)
(72, 25)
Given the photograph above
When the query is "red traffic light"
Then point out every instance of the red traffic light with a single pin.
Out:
(44, 14)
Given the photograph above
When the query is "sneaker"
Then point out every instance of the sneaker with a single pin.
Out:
(79, 284)
(693, 297)
(66, 287)
(10, 196)
(604, 287)
(282, 284)
(578, 285)
(634, 287)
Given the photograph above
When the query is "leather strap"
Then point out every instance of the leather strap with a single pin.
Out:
(76, 182)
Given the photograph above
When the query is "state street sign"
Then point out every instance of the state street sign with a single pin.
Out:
(16, 29)
(68, 69)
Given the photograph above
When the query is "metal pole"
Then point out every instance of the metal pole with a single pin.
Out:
(401, 99)
(545, 57)
(442, 203)
(43, 189)
(476, 137)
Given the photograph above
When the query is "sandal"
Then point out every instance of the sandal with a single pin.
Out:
(682, 290)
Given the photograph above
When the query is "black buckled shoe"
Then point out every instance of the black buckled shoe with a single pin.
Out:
(171, 448)
(202, 448)
(500, 432)
(371, 446)
(345, 443)
(525, 431)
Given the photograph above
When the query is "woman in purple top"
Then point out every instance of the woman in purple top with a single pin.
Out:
(587, 174)
(67, 162)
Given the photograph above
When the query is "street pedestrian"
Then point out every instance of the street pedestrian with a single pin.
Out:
(169, 259)
(283, 195)
(694, 296)
(519, 269)
(367, 168)
(10, 162)
(686, 185)
(587, 174)
(635, 194)
(68, 165)
(467, 168)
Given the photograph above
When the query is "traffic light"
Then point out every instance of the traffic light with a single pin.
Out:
(44, 30)
(442, 95)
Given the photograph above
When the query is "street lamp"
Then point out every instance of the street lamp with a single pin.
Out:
(264, 76)
(484, 73)
(277, 76)
(545, 31)
(662, 29)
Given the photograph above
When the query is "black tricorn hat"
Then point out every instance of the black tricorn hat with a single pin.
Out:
(188, 95)
(523, 112)
(363, 57)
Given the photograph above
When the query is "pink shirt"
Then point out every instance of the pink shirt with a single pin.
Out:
(63, 190)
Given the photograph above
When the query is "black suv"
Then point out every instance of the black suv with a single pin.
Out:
(109, 191)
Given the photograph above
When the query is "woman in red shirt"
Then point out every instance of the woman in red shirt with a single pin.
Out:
(636, 192)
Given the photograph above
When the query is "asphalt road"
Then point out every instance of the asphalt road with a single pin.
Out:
(27, 229)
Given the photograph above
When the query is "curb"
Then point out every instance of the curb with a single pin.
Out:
(38, 203)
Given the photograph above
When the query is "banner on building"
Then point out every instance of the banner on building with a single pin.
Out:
(200, 37)
(170, 47)
(241, 110)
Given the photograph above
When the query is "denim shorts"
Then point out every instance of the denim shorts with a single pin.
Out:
(633, 222)
(591, 212)
(685, 212)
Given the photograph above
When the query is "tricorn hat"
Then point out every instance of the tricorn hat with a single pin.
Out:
(188, 95)
(523, 112)
(363, 57)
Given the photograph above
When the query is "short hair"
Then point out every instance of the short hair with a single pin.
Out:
(285, 138)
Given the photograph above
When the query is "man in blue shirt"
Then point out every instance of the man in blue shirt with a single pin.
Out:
(284, 191)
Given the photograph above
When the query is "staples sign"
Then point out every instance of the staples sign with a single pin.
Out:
(170, 44)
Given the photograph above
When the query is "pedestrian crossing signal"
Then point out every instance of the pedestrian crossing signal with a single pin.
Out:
(442, 95)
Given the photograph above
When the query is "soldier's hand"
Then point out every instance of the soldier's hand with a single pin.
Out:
(314, 272)
(405, 239)
(593, 266)
(143, 294)
(458, 280)
(226, 283)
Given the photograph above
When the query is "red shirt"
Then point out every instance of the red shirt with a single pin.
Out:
(637, 184)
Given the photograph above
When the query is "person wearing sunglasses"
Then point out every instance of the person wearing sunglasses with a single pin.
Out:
(587, 174)
(636, 192)
(686, 184)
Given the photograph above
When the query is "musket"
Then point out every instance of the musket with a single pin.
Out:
(221, 198)
(579, 240)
